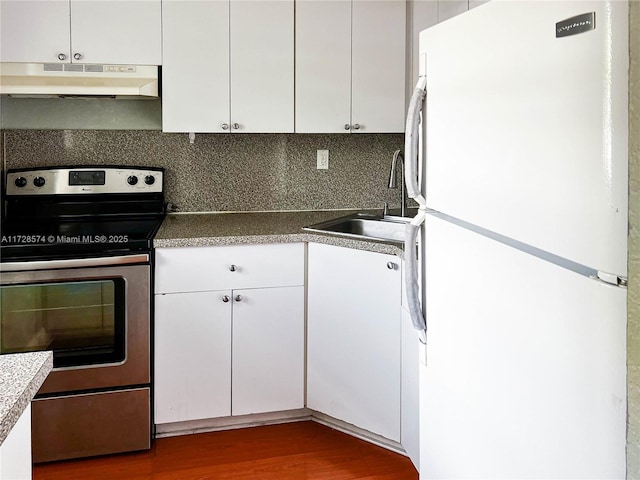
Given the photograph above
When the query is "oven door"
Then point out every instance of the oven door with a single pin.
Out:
(93, 313)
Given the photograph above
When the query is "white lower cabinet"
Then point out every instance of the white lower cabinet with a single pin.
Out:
(241, 350)
(15, 451)
(354, 337)
(268, 350)
(230, 351)
(192, 356)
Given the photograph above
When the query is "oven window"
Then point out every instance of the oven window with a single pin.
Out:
(81, 321)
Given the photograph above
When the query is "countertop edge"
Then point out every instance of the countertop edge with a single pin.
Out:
(20, 400)
(364, 244)
(245, 228)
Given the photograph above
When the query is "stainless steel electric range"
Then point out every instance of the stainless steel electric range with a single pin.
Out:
(76, 262)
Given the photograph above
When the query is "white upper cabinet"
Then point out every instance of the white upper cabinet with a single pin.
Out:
(262, 56)
(350, 66)
(378, 66)
(81, 31)
(323, 66)
(125, 31)
(34, 31)
(195, 70)
(228, 66)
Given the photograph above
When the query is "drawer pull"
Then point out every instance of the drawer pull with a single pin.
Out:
(238, 298)
(233, 268)
(392, 266)
(226, 299)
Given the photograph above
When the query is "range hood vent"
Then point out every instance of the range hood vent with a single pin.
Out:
(72, 79)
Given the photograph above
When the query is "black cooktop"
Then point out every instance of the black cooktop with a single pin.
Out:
(64, 212)
(28, 240)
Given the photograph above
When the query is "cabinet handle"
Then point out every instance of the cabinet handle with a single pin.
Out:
(238, 298)
(226, 299)
(356, 126)
(77, 56)
(62, 56)
(236, 126)
(392, 266)
(225, 126)
(347, 126)
(233, 268)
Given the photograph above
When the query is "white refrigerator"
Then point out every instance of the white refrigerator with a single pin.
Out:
(516, 151)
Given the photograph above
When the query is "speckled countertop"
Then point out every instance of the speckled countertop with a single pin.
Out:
(21, 375)
(206, 229)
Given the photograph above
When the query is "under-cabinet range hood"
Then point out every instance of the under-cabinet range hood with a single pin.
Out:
(71, 79)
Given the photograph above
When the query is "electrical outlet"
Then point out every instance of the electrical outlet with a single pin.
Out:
(323, 159)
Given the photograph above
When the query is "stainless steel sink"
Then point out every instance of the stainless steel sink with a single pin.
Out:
(362, 225)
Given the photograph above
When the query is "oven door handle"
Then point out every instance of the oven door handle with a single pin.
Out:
(74, 263)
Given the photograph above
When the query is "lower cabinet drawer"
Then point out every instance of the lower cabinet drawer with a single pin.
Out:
(85, 425)
(197, 269)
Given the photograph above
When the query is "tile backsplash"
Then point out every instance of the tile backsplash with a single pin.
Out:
(229, 172)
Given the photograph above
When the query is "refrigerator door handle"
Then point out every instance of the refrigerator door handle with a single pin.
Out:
(411, 276)
(412, 132)
(612, 279)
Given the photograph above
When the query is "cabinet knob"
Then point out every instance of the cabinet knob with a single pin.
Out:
(226, 299)
(356, 126)
(225, 126)
(392, 266)
(347, 126)
(236, 126)
(62, 56)
(238, 298)
(233, 268)
(77, 56)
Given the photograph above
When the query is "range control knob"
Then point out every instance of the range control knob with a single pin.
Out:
(132, 180)
(21, 182)
(149, 179)
(39, 181)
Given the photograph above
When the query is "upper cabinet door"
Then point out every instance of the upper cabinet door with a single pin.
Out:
(126, 32)
(34, 31)
(195, 70)
(323, 66)
(350, 66)
(378, 66)
(262, 56)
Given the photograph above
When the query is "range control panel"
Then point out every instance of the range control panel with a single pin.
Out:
(84, 180)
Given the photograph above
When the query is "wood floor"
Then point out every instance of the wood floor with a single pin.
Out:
(292, 451)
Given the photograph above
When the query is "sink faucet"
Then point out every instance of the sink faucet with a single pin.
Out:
(393, 180)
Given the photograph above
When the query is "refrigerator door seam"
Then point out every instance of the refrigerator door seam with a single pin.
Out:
(584, 270)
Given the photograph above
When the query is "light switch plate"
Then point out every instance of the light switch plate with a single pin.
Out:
(323, 159)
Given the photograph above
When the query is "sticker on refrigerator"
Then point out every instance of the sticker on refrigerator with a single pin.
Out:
(574, 25)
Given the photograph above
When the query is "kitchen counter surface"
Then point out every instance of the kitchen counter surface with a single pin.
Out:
(21, 375)
(207, 229)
